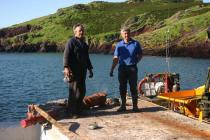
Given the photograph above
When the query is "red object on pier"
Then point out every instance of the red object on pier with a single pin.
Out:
(97, 99)
(31, 121)
(32, 117)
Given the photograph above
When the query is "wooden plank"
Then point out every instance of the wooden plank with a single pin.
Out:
(63, 130)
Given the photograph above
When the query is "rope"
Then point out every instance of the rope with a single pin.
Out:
(167, 50)
(167, 47)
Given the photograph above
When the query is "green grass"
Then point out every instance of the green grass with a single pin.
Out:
(103, 21)
(186, 30)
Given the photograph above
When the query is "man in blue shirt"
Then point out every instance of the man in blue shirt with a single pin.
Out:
(128, 53)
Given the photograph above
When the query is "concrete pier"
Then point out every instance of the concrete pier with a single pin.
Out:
(153, 122)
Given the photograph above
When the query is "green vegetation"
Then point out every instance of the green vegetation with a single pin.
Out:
(183, 28)
(98, 18)
(150, 19)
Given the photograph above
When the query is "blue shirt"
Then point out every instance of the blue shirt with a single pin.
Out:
(128, 52)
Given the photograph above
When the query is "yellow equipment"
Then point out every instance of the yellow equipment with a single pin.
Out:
(192, 103)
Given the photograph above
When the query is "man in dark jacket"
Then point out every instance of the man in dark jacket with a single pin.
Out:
(76, 63)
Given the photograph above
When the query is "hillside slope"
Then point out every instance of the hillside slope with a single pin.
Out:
(149, 21)
(185, 33)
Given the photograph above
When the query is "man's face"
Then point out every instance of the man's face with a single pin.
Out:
(125, 35)
(79, 32)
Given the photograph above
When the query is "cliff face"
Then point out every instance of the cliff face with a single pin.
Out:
(14, 40)
(200, 50)
(11, 32)
(183, 25)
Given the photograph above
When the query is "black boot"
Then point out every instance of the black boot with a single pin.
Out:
(123, 104)
(135, 105)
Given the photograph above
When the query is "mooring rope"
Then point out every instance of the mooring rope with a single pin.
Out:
(167, 50)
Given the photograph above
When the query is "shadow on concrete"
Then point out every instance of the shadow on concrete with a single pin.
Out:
(152, 109)
(96, 112)
(108, 110)
(74, 126)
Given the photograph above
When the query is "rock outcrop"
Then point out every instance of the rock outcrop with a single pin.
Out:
(10, 32)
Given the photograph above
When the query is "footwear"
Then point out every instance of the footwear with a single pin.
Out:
(82, 113)
(123, 103)
(73, 116)
(136, 109)
(135, 105)
(121, 109)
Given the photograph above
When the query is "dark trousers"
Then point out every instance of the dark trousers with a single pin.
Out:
(77, 90)
(128, 74)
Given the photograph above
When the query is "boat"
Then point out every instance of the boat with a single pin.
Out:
(192, 103)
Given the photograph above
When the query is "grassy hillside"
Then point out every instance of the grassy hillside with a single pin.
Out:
(149, 21)
(184, 28)
(98, 18)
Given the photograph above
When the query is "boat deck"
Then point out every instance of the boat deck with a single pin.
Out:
(153, 122)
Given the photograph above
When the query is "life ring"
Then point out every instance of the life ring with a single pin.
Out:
(140, 85)
(149, 78)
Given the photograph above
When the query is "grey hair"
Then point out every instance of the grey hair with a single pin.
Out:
(125, 29)
(78, 25)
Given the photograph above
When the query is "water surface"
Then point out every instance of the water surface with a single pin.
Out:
(36, 78)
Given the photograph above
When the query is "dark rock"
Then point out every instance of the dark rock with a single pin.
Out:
(48, 47)
(80, 7)
(35, 28)
(11, 32)
(60, 48)
(2, 49)
(21, 38)
(5, 42)
(9, 49)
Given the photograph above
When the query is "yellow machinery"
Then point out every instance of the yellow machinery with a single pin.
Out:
(192, 103)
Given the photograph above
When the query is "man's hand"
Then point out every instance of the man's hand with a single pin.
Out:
(139, 57)
(111, 73)
(67, 72)
(114, 63)
(90, 74)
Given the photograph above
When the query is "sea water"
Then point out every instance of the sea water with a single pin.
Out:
(27, 78)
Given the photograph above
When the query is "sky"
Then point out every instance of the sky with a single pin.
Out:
(206, 1)
(18, 11)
